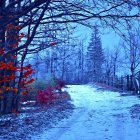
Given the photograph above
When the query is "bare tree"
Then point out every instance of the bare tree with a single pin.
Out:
(112, 63)
(31, 12)
(132, 51)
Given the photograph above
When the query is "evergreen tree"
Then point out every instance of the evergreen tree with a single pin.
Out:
(95, 57)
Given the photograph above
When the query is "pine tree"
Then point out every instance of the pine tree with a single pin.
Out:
(95, 56)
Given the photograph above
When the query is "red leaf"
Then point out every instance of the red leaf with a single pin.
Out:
(53, 43)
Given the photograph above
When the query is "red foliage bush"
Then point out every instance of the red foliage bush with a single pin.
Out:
(46, 95)
(50, 95)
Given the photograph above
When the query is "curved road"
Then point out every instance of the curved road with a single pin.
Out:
(98, 115)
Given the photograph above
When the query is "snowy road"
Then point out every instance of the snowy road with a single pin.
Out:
(98, 115)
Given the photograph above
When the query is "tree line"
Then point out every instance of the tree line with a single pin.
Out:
(76, 63)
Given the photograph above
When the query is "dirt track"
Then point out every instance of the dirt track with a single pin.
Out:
(98, 115)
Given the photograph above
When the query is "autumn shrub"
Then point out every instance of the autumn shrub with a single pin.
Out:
(53, 92)
(47, 95)
(38, 85)
(49, 91)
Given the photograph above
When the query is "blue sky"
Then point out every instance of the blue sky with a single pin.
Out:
(109, 39)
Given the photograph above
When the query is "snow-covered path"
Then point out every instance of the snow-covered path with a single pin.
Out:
(98, 115)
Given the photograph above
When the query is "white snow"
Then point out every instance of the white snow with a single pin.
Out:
(24, 103)
(98, 115)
